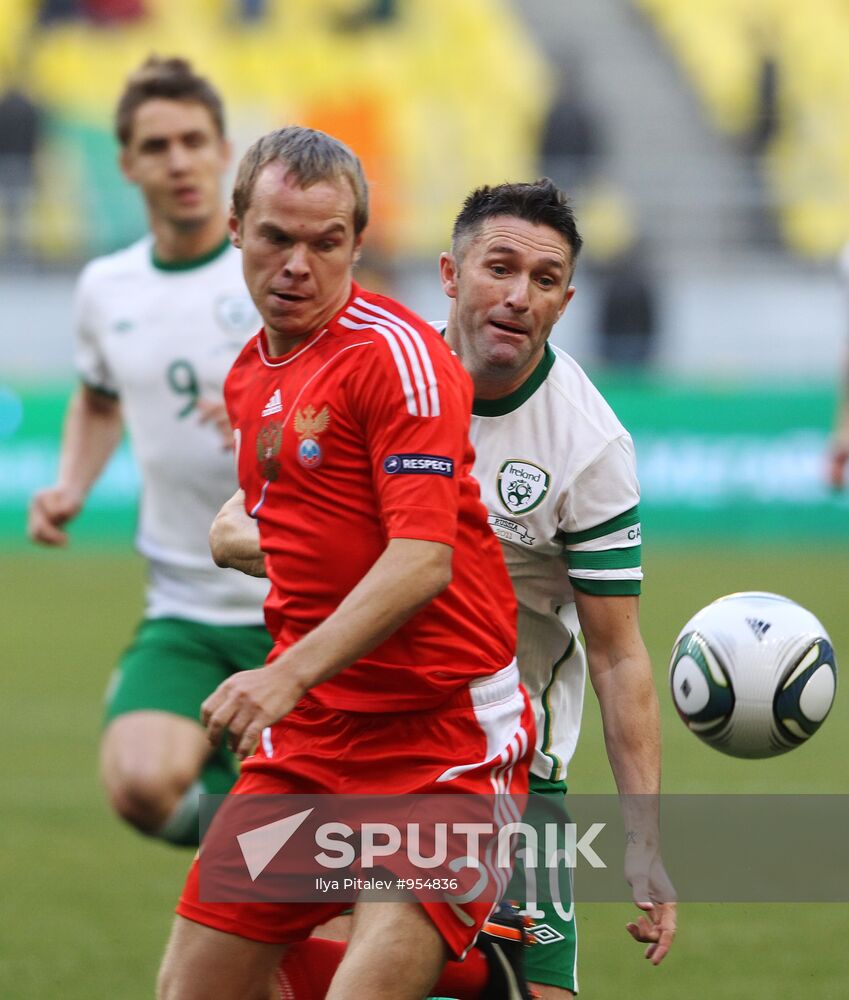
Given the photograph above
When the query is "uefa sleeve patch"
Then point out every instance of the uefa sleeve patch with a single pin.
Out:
(418, 465)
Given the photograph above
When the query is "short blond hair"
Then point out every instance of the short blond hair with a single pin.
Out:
(310, 156)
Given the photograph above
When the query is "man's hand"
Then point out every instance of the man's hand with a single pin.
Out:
(234, 538)
(246, 703)
(215, 413)
(51, 509)
(655, 895)
(657, 929)
(408, 574)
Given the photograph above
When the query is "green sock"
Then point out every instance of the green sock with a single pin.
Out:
(216, 778)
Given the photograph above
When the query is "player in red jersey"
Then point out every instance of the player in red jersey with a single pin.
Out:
(390, 607)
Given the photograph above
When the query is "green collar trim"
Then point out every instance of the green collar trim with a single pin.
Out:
(189, 265)
(506, 404)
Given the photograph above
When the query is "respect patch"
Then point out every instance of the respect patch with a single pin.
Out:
(418, 465)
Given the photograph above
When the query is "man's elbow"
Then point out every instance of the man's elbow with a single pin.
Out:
(439, 575)
(218, 546)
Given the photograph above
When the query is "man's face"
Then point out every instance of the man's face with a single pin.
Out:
(178, 159)
(510, 286)
(298, 251)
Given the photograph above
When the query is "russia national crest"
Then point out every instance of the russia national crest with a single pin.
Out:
(522, 486)
(268, 443)
(308, 426)
(309, 453)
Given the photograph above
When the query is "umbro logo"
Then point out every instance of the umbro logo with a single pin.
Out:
(274, 404)
(546, 934)
(760, 628)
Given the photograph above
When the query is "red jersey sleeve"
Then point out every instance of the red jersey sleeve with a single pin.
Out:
(414, 404)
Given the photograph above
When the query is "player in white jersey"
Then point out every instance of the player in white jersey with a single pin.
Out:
(558, 475)
(157, 328)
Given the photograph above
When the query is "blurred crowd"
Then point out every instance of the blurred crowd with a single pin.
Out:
(413, 86)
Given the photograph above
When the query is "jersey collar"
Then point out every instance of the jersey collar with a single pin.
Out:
(189, 265)
(270, 361)
(506, 404)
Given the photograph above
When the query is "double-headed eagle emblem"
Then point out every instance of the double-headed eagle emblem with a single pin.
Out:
(268, 443)
(309, 424)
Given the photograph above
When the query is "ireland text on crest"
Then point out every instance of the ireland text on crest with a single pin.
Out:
(522, 486)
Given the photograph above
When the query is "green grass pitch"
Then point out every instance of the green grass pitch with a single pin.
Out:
(86, 904)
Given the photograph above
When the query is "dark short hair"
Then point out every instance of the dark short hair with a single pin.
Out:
(309, 156)
(541, 203)
(171, 79)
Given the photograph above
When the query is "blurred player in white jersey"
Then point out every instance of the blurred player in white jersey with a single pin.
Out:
(157, 327)
(558, 476)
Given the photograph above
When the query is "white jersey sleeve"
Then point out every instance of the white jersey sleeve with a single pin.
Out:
(89, 360)
(604, 556)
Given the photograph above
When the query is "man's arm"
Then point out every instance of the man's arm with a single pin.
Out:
(92, 431)
(620, 671)
(839, 447)
(408, 575)
(234, 538)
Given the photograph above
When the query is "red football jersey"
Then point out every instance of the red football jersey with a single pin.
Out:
(356, 436)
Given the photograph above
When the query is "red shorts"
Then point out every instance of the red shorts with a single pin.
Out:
(478, 742)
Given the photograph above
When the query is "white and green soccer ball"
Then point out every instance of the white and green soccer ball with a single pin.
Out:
(753, 674)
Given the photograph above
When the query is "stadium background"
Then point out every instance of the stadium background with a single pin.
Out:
(707, 146)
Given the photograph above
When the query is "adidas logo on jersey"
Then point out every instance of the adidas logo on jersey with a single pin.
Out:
(274, 404)
(759, 627)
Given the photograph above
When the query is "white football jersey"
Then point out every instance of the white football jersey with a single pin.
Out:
(557, 473)
(161, 337)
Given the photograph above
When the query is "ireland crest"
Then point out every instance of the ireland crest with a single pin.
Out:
(522, 486)
(268, 443)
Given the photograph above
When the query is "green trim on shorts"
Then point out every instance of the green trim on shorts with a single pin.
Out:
(545, 748)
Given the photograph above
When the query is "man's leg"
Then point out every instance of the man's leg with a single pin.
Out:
(149, 761)
(551, 992)
(201, 962)
(155, 759)
(395, 953)
(492, 970)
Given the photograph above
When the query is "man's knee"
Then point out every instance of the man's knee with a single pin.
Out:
(144, 784)
(144, 798)
(552, 992)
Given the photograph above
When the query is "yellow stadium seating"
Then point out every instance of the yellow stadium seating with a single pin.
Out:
(719, 44)
(425, 98)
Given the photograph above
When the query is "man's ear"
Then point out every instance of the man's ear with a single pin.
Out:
(358, 248)
(567, 298)
(448, 271)
(234, 229)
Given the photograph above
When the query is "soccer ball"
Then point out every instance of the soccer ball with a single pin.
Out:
(753, 674)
